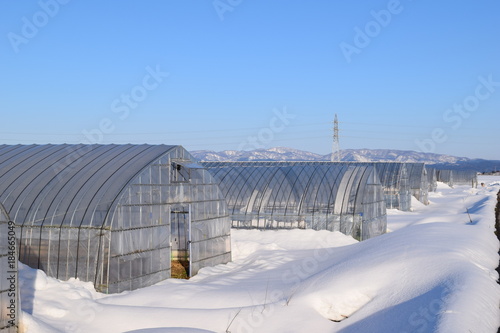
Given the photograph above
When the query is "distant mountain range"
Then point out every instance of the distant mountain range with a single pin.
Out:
(439, 161)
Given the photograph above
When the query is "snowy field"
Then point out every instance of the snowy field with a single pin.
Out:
(434, 271)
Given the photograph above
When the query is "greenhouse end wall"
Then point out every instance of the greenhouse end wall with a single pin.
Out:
(105, 213)
(419, 182)
(395, 180)
(160, 196)
(432, 178)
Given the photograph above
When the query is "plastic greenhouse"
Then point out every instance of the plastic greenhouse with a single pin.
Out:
(418, 181)
(115, 215)
(9, 286)
(465, 177)
(395, 180)
(432, 178)
(445, 176)
(274, 195)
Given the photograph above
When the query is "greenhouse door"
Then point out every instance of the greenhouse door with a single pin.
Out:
(180, 221)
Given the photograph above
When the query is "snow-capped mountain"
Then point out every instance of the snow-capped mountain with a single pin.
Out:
(356, 155)
(271, 154)
(391, 155)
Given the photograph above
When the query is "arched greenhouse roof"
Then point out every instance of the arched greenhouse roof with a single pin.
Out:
(393, 176)
(67, 184)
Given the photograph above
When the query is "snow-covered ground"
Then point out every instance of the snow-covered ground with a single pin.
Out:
(434, 271)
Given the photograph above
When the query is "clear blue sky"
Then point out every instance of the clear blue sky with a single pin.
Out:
(409, 75)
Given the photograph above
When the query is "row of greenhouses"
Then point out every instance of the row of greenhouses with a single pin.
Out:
(120, 216)
(399, 180)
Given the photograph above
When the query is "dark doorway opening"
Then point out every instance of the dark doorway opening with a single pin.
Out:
(180, 221)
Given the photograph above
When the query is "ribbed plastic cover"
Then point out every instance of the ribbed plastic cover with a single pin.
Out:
(308, 195)
(66, 184)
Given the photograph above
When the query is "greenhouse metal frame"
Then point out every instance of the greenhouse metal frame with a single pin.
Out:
(319, 196)
(115, 215)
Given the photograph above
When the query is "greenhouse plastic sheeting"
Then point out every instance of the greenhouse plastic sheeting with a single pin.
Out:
(9, 286)
(266, 195)
(104, 213)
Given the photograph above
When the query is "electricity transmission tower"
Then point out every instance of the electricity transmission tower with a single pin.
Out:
(336, 145)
